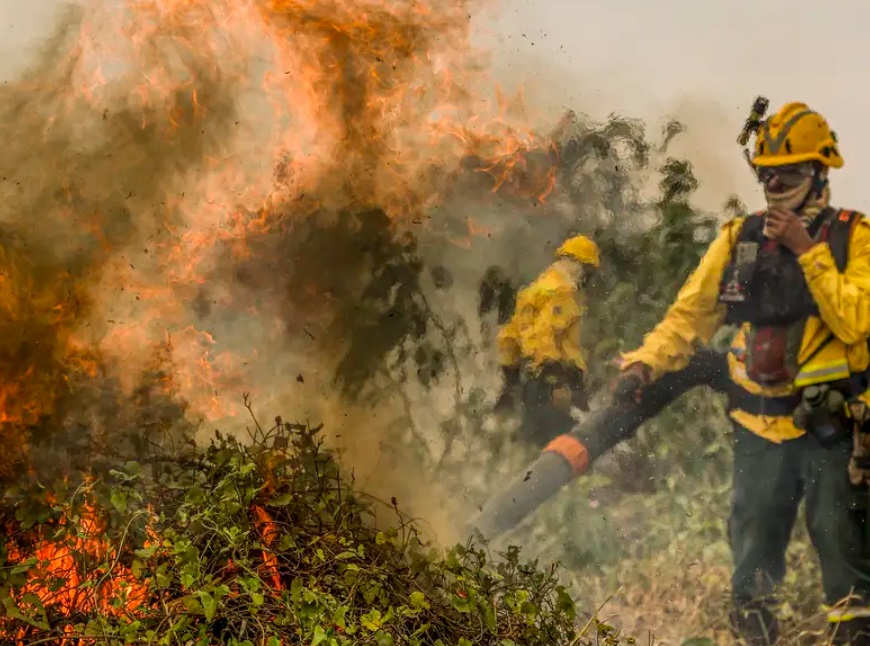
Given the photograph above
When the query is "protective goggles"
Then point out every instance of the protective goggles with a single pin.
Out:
(784, 176)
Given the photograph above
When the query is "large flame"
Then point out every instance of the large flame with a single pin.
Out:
(159, 157)
(165, 136)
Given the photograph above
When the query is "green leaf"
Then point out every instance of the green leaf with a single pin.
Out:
(338, 617)
(24, 566)
(371, 620)
(118, 497)
(209, 604)
(33, 600)
(460, 604)
(319, 635)
(283, 500)
(383, 638)
(565, 603)
(13, 611)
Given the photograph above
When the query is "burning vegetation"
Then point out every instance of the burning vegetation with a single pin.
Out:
(207, 203)
(193, 194)
(257, 544)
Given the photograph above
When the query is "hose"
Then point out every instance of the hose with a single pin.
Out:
(570, 455)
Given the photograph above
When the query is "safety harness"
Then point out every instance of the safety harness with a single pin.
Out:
(764, 285)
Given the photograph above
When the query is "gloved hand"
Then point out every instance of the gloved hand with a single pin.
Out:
(569, 388)
(562, 397)
(628, 387)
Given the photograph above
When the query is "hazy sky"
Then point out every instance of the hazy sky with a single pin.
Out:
(648, 58)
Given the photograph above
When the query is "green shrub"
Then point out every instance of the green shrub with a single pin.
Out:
(259, 544)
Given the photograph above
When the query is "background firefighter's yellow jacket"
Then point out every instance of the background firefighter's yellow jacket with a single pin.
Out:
(545, 326)
(843, 300)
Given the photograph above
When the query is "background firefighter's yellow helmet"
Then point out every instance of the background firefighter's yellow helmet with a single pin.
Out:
(796, 134)
(580, 248)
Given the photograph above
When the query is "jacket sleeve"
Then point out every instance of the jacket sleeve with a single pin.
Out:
(695, 315)
(843, 298)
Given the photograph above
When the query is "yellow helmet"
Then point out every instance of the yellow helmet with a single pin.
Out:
(580, 248)
(796, 134)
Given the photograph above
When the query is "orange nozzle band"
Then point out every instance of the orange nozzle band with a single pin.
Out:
(572, 449)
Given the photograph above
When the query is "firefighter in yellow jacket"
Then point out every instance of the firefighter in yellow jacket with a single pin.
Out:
(795, 282)
(540, 350)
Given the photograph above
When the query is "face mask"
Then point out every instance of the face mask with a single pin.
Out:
(573, 270)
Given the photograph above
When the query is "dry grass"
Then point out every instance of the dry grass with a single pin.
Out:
(683, 592)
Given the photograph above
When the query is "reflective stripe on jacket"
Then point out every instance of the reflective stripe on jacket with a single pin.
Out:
(843, 324)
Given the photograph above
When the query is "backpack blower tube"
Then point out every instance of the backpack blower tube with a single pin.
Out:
(570, 455)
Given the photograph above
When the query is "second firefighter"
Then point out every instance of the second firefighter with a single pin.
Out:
(540, 351)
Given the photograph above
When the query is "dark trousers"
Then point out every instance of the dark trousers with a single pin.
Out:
(769, 482)
(541, 420)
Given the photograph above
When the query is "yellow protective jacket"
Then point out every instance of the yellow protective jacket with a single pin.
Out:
(843, 301)
(545, 326)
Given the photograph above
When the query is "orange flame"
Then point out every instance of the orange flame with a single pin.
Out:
(207, 126)
(355, 104)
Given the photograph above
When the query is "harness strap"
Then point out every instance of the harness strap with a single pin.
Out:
(838, 235)
(741, 399)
